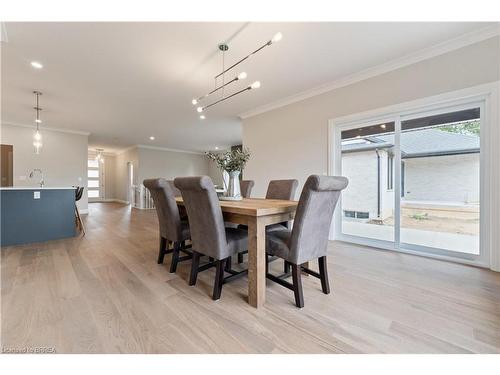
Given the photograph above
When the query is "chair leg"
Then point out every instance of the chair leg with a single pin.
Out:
(323, 272)
(219, 279)
(228, 264)
(286, 267)
(163, 247)
(175, 257)
(297, 285)
(240, 258)
(194, 268)
(79, 218)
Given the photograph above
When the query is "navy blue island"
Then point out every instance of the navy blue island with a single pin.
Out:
(36, 214)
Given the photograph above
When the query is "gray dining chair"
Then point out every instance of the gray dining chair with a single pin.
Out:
(172, 228)
(208, 235)
(246, 187)
(277, 189)
(308, 240)
(282, 189)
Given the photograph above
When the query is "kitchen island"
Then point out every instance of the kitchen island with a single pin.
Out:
(36, 214)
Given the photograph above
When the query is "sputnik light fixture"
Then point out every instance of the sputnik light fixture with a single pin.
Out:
(241, 76)
(37, 136)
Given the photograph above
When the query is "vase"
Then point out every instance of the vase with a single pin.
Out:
(233, 188)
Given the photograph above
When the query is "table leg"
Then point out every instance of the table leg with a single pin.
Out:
(256, 262)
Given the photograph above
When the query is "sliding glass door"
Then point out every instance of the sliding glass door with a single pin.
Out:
(414, 181)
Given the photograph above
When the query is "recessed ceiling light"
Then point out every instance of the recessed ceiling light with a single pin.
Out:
(152, 138)
(216, 147)
(36, 65)
(38, 121)
(202, 117)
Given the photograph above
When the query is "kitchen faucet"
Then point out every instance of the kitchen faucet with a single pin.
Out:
(42, 182)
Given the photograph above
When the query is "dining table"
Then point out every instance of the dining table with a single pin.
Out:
(256, 214)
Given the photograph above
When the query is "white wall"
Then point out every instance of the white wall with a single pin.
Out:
(170, 164)
(361, 195)
(121, 173)
(150, 163)
(361, 170)
(451, 178)
(63, 158)
(109, 176)
(291, 141)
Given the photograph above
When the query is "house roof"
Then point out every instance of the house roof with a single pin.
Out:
(424, 142)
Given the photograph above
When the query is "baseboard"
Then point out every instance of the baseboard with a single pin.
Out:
(85, 211)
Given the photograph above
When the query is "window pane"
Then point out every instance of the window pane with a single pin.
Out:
(440, 202)
(92, 163)
(93, 184)
(368, 202)
(93, 193)
(93, 173)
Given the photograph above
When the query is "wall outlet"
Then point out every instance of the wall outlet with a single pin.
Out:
(36, 195)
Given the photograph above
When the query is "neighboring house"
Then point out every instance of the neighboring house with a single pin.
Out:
(437, 167)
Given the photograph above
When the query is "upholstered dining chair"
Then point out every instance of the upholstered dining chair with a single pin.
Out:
(246, 187)
(308, 240)
(208, 235)
(277, 189)
(172, 228)
(282, 189)
(177, 193)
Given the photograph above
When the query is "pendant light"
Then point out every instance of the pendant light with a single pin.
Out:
(241, 76)
(37, 136)
(99, 157)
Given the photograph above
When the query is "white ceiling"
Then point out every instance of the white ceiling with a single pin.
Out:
(124, 82)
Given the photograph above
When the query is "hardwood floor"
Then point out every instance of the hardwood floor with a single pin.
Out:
(105, 293)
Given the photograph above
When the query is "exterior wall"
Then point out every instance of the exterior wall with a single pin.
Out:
(361, 194)
(63, 158)
(387, 196)
(452, 178)
(361, 170)
(291, 141)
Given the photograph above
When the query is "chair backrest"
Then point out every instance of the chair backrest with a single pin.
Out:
(78, 193)
(166, 208)
(246, 187)
(206, 223)
(314, 215)
(282, 189)
(177, 192)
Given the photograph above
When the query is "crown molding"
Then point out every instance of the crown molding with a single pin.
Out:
(42, 128)
(169, 149)
(412, 58)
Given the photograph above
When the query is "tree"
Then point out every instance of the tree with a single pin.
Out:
(466, 128)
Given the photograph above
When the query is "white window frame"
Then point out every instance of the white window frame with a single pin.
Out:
(486, 98)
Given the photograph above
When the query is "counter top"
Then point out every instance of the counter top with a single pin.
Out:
(38, 188)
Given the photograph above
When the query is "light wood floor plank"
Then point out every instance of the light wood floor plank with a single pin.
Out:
(104, 293)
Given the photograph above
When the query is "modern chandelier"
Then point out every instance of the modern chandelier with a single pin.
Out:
(37, 137)
(220, 86)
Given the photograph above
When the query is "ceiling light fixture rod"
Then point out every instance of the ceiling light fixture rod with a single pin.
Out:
(276, 38)
(230, 96)
(242, 75)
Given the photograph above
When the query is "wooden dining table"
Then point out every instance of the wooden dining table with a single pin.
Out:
(256, 214)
